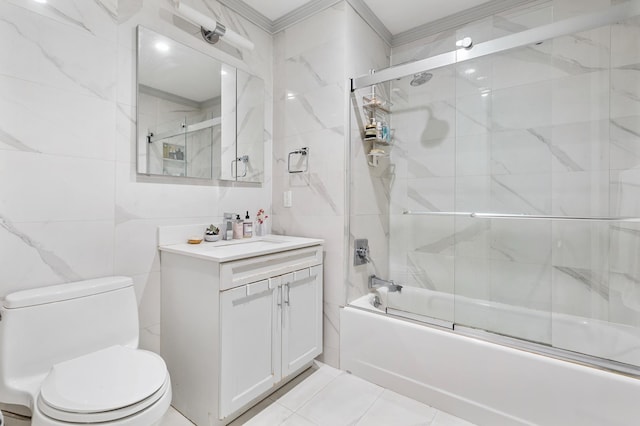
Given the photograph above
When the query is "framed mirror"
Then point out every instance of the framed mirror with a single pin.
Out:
(197, 116)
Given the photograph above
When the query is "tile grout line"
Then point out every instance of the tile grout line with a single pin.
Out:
(370, 406)
(281, 406)
(316, 393)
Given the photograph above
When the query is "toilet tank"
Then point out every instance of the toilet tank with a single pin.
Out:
(47, 325)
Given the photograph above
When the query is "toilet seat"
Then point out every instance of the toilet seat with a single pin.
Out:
(102, 386)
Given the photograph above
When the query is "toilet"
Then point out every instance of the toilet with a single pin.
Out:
(70, 354)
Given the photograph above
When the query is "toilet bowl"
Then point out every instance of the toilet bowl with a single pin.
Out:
(69, 353)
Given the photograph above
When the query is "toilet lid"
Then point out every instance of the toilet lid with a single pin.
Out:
(105, 380)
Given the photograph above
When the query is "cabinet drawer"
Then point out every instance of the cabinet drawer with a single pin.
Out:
(245, 271)
(258, 287)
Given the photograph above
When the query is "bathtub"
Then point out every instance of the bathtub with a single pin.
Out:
(486, 382)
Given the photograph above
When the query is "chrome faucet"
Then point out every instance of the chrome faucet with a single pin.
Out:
(377, 282)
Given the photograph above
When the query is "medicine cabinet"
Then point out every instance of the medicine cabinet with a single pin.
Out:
(197, 116)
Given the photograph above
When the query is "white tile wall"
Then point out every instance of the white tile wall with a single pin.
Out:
(311, 86)
(72, 206)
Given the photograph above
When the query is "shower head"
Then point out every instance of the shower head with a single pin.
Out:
(421, 78)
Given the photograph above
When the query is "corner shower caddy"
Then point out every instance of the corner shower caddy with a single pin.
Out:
(376, 108)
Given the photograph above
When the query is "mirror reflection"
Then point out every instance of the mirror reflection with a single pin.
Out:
(197, 117)
(179, 108)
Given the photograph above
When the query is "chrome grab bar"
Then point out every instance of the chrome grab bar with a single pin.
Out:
(523, 216)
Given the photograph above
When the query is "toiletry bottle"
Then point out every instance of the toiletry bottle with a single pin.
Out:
(227, 226)
(370, 129)
(237, 227)
(247, 227)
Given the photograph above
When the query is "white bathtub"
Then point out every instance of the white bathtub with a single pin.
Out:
(484, 382)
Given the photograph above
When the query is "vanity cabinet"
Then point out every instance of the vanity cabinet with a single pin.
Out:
(234, 328)
(270, 330)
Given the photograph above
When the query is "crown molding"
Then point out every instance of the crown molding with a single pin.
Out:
(314, 6)
(248, 12)
(456, 20)
(370, 18)
(302, 13)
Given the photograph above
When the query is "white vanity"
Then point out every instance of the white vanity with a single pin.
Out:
(238, 318)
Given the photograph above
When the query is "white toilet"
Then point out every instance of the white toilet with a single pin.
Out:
(69, 353)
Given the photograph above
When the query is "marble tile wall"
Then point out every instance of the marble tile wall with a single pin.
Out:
(369, 186)
(548, 129)
(311, 85)
(71, 206)
(309, 93)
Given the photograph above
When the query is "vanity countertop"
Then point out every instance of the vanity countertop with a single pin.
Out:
(226, 251)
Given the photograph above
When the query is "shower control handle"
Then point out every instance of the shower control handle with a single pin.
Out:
(361, 252)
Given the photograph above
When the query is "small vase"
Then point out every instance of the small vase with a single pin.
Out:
(261, 229)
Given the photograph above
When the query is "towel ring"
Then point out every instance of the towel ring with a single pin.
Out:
(305, 154)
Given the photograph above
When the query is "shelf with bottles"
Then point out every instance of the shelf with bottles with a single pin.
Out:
(373, 104)
(172, 152)
(379, 141)
(377, 132)
(374, 156)
(377, 112)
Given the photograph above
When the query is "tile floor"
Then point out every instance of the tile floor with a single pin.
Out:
(324, 395)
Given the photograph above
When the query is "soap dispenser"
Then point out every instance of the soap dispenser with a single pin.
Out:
(227, 226)
(237, 227)
(247, 227)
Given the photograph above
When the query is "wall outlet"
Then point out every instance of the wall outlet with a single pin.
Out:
(288, 199)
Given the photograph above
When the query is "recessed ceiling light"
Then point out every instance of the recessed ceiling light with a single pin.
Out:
(469, 71)
(40, 1)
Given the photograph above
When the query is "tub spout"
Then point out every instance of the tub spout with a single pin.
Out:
(377, 282)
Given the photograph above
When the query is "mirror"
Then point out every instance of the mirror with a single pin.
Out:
(188, 107)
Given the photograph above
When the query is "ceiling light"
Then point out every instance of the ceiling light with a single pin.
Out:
(469, 71)
(211, 29)
(40, 1)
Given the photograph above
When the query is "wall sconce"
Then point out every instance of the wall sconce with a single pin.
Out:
(211, 29)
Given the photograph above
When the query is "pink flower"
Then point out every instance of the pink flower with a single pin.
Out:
(261, 217)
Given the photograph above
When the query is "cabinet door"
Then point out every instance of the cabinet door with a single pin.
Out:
(302, 318)
(248, 335)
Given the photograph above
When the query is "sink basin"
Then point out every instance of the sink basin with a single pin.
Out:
(242, 245)
(225, 251)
